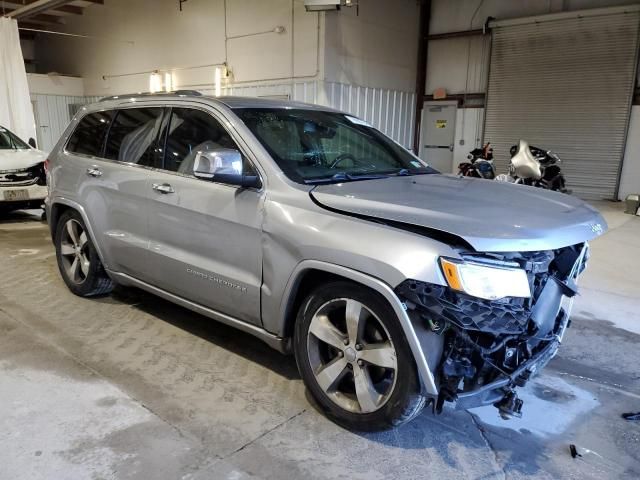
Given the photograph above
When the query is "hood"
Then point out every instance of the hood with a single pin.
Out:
(491, 216)
(12, 159)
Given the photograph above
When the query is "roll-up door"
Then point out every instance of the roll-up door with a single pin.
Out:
(565, 84)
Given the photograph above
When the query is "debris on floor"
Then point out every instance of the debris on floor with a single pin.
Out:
(631, 416)
(574, 451)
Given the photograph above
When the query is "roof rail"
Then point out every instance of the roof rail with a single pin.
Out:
(125, 96)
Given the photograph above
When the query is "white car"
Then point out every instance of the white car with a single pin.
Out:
(23, 181)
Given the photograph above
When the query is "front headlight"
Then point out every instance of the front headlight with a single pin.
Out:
(485, 282)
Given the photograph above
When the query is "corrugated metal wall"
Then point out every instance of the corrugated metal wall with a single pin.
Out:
(391, 111)
(52, 115)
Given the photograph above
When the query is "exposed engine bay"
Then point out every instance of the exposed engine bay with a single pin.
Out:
(490, 347)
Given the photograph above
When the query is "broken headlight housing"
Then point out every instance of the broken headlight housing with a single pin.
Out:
(485, 281)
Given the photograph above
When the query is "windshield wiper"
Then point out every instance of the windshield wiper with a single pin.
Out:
(343, 177)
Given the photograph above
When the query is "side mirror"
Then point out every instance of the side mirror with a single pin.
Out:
(223, 165)
(32, 142)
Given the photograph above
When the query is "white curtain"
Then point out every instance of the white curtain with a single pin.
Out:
(16, 112)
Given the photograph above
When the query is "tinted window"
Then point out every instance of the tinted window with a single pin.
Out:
(192, 131)
(132, 137)
(88, 137)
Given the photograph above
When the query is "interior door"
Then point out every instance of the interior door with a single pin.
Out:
(438, 131)
(205, 237)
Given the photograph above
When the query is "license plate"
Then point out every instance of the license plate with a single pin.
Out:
(15, 195)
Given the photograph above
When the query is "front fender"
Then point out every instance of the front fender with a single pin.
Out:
(414, 339)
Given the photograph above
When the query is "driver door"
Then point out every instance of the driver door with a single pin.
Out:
(205, 237)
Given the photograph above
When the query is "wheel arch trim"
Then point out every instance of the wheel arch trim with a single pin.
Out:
(424, 370)
(78, 208)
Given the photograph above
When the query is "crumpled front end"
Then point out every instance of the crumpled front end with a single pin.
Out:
(493, 346)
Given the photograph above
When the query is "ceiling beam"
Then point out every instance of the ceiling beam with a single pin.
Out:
(70, 9)
(29, 24)
(35, 8)
(39, 17)
(73, 10)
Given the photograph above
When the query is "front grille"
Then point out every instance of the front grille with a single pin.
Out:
(23, 177)
(445, 305)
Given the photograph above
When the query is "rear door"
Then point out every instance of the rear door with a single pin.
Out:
(205, 236)
(115, 186)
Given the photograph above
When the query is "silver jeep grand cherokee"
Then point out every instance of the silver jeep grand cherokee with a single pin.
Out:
(393, 285)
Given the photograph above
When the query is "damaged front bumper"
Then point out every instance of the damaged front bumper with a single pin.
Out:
(494, 392)
(488, 348)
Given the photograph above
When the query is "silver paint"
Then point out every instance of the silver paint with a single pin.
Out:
(266, 240)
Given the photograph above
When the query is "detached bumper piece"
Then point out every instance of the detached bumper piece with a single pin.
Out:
(493, 346)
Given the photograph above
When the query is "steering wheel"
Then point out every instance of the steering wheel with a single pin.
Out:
(342, 157)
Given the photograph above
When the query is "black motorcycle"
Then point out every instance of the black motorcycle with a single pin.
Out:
(480, 164)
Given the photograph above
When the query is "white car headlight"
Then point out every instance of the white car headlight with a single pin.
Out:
(484, 281)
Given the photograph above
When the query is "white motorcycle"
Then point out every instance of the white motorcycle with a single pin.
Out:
(535, 167)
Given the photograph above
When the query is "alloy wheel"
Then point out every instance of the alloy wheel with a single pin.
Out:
(352, 356)
(74, 250)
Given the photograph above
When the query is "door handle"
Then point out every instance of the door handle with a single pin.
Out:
(163, 188)
(94, 172)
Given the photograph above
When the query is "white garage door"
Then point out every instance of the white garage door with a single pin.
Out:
(565, 84)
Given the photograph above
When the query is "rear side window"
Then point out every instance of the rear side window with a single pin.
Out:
(88, 137)
(133, 134)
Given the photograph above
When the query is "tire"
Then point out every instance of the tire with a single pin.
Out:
(388, 395)
(78, 261)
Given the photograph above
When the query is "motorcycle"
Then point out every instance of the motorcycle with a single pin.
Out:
(535, 167)
(480, 164)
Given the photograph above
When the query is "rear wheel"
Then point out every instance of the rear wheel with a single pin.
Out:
(354, 358)
(77, 258)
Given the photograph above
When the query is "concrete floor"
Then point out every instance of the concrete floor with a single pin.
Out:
(132, 387)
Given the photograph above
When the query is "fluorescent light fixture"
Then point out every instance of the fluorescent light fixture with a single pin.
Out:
(155, 84)
(218, 81)
(168, 82)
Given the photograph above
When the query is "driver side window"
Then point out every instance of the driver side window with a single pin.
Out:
(192, 132)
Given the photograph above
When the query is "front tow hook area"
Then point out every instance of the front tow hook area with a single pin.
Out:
(510, 406)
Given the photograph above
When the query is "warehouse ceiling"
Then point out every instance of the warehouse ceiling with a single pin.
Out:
(44, 13)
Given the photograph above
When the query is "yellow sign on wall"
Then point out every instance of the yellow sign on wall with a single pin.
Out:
(441, 124)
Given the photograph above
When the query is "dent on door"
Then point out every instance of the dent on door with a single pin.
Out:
(115, 197)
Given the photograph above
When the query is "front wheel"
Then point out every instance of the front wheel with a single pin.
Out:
(354, 358)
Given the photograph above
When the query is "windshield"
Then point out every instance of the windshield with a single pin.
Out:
(316, 147)
(9, 141)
